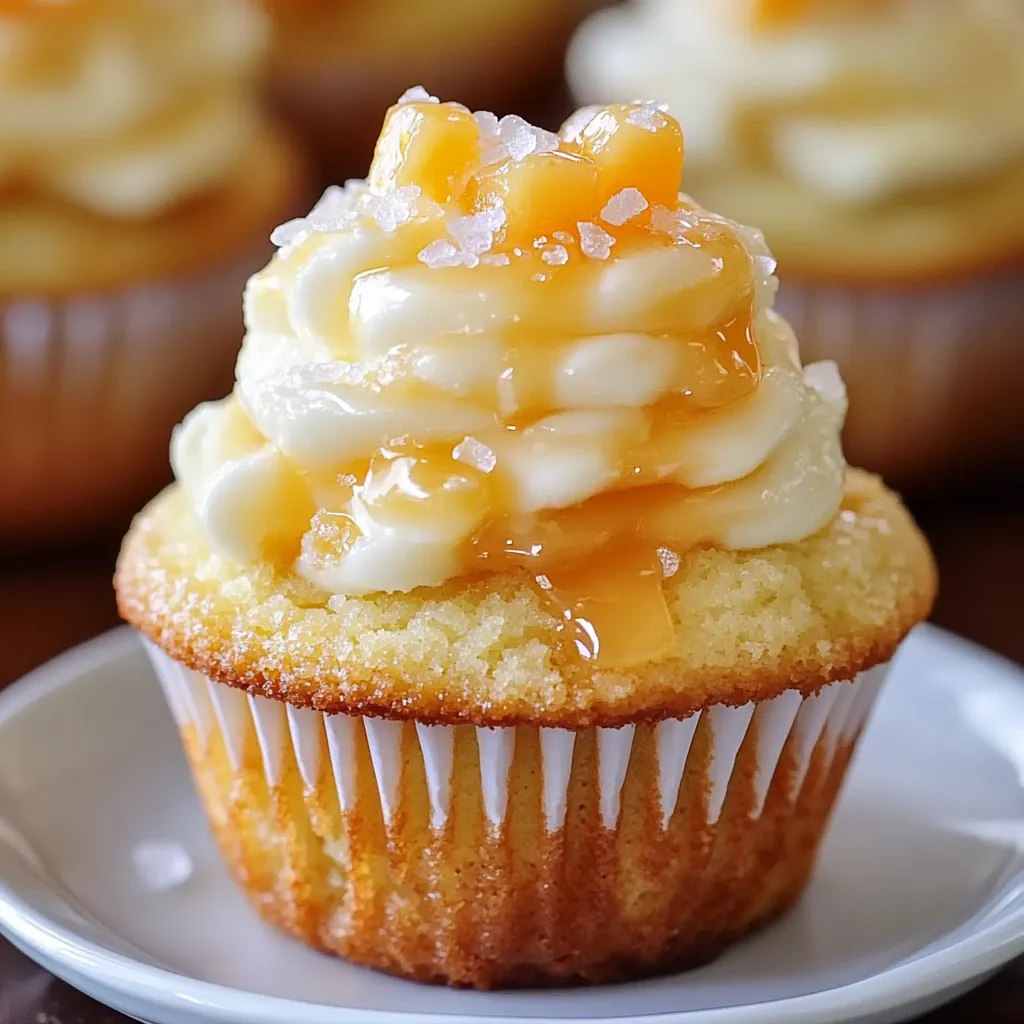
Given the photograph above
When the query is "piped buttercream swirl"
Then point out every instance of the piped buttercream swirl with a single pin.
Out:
(505, 351)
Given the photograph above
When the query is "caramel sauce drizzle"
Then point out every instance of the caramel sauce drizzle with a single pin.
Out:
(593, 565)
(610, 602)
(596, 565)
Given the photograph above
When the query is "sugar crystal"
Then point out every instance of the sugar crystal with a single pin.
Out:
(417, 94)
(440, 254)
(572, 129)
(475, 233)
(672, 222)
(476, 454)
(495, 259)
(624, 206)
(519, 138)
(556, 257)
(669, 562)
(493, 151)
(595, 241)
(395, 208)
(488, 123)
(648, 116)
(547, 142)
(493, 218)
(517, 134)
(564, 237)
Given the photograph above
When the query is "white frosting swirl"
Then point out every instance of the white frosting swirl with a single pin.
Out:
(861, 101)
(350, 347)
(127, 107)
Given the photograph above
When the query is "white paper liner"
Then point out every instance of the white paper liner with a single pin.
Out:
(437, 744)
(91, 385)
(556, 750)
(932, 371)
(838, 711)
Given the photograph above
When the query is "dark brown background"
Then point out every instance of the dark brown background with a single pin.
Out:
(48, 603)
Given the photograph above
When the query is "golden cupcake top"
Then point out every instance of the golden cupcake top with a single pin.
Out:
(853, 102)
(516, 352)
(125, 107)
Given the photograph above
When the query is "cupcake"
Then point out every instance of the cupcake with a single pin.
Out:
(880, 147)
(517, 609)
(338, 64)
(138, 187)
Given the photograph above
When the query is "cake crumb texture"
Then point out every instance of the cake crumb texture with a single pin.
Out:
(749, 625)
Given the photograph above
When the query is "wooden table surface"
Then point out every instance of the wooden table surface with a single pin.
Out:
(50, 603)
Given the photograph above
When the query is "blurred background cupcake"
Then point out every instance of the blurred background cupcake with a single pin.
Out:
(339, 64)
(138, 186)
(880, 146)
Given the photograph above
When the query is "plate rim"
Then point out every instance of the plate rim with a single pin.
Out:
(980, 952)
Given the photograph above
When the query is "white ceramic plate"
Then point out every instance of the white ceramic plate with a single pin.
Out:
(918, 896)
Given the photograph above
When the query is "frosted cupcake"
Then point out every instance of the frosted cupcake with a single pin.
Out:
(338, 64)
(879, 145)
(517, 609)
(138, 185)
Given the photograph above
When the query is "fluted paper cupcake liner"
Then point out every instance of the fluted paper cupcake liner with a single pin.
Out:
(933, 371)
(91, 385)
(525, 855)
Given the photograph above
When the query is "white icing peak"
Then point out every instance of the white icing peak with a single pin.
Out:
(495, 330)
(127, 107)
(860, 101)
